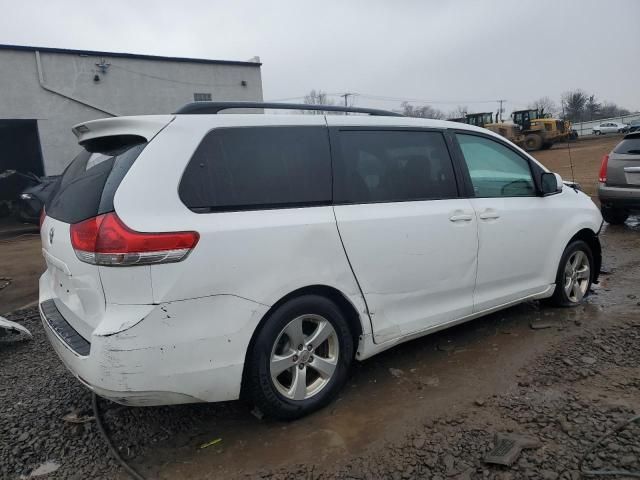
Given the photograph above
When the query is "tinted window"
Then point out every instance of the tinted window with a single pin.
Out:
(88, 185)
(258, 167)
(630, 146)
(495, 170)
(391, 166)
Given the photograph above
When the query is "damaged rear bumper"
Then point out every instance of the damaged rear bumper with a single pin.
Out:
(179, 352)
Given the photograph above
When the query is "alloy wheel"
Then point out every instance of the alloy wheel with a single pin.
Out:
(304, 357)
(577, 273)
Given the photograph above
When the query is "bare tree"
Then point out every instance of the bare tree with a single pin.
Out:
(317, 97)
(610, 109)
(459, 112)
(424, 111)
(545, 104)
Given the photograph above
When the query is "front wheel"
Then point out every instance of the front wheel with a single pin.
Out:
(300, 358)
(532, 142)
(574, 276)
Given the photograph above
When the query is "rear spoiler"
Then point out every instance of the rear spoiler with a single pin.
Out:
(147, 127)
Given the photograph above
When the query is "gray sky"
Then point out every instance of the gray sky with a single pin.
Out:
(458, 52)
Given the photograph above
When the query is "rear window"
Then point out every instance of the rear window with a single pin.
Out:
(248, 168)
(88, 185)
(629, 146)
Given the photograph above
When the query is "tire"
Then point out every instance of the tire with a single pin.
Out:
(614, 216)
(275, 395)
(597, 132)
(571, 272)
(532, 142)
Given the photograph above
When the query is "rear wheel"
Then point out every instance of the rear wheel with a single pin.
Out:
(614, 216)
(300, 359)
(532, 142)
(574, 276)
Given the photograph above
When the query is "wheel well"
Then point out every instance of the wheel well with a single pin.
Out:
(345, 306)
(591, 239)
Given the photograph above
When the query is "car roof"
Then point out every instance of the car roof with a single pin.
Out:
(148, 126)
(240, 119)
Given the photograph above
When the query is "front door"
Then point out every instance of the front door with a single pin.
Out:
(515, 225)
(410, 238)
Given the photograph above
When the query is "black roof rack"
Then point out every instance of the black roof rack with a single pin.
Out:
(204, 108)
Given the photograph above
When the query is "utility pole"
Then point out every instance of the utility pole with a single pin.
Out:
(346, 102)
(500, 111)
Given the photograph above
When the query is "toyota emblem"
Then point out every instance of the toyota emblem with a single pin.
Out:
(51, 235)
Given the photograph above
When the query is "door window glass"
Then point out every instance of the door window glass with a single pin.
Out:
(495, 170)
(392, 166)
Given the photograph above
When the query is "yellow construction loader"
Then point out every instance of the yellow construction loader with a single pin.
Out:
(509, 131)
(540, 130)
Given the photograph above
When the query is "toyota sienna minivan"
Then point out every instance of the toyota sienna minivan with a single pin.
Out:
(200, 256)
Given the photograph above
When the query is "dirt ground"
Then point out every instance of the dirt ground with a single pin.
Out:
(21, 264)
(427, 409)
(585, 155)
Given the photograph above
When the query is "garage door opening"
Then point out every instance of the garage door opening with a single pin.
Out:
(19, 150)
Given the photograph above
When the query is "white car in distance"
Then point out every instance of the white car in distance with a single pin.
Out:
(610, 127)
(194, 256)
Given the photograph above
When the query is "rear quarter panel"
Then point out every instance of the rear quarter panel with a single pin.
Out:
(259, 255)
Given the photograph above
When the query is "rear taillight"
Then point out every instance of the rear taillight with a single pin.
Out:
(43, 215)
(106, 240)
(602, 178)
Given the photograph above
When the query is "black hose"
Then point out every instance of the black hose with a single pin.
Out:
(128, 468)
(624, 473)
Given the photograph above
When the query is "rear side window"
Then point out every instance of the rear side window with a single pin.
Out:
(392, 166)
(249, 168)
(88, 185)
(629, 146)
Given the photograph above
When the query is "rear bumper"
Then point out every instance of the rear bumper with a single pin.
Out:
(622, 197)
(181, 352)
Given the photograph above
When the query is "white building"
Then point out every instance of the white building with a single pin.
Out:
(45, 91)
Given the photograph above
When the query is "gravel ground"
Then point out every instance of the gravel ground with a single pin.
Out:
(565, 400)
(36, 392)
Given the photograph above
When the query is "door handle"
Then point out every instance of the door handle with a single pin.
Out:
(489, 214)
(462, 217)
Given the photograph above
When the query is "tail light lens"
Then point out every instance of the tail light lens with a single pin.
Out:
(106, 240)
(43, 215)
(602, 178)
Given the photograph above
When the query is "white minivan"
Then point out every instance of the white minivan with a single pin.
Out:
(201, 256)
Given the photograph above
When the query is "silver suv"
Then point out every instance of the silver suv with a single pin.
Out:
(619, 180)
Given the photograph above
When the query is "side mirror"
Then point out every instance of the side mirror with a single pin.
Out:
(550, 183)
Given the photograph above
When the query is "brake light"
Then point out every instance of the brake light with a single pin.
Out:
(602, 178)
(43, 215)
(106, 240)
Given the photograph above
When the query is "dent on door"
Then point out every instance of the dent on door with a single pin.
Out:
(415, 262)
